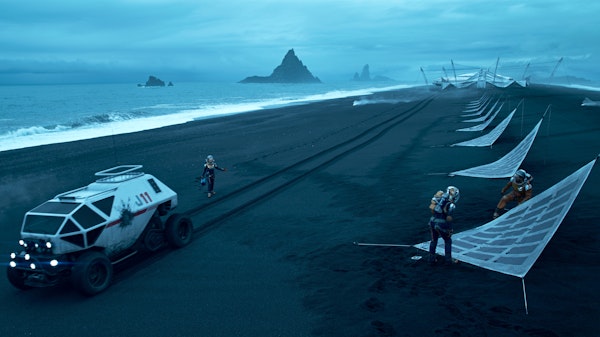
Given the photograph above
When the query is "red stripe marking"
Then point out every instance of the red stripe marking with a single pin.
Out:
(140, 212)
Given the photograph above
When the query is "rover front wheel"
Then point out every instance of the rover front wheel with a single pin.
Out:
(92, 273)
(17, 278)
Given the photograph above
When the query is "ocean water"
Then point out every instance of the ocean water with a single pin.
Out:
(47, 114)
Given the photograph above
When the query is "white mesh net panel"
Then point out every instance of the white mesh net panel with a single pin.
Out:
(491, 137)
(485, 124)
(479, 110)
(506, 166)
(477, 104)
(487, 115)
(513, 242)
(482, 79)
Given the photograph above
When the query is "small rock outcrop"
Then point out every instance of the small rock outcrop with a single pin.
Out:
(154, 82)
(291, 70)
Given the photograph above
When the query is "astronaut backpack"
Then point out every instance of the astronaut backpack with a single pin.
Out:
(435, 200)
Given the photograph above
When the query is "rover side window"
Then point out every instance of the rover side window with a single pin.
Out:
(93, 235)
(76, 239)
(70, 227)
(41, 224)
(105, 205)
(87, 218)
(154, 185)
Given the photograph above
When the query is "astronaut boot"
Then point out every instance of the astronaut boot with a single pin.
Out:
(496, 213)
(432, 259)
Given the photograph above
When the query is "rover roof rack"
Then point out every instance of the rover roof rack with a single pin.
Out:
(119, 173)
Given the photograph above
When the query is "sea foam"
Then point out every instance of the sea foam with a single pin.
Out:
(138, 119)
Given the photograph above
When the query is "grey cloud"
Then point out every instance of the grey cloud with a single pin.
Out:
(241, 38)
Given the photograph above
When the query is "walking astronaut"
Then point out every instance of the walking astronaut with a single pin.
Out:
(209, 174)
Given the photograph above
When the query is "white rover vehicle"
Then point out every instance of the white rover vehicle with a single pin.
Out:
(79, 235)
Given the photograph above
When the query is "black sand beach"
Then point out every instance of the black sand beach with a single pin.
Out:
(272, 253)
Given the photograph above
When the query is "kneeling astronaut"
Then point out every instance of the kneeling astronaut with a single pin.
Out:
(522, 190)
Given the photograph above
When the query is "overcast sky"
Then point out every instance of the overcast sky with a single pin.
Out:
(210, 40)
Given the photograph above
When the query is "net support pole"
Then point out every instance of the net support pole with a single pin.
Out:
(525, 296)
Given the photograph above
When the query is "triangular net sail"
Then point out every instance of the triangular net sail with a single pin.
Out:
(491, 137)
(481, 79)
(485, 124)
(478, 111)
(513, 242)
(506, 166)
(485, 117)
(476, 104)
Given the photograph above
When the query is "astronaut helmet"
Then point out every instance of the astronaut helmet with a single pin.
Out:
(520, 177)
(453, 193)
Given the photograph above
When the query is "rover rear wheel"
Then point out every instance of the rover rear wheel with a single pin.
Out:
(179, 230)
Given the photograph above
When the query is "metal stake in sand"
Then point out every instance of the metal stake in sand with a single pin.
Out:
(414, 258)
(525, 296)
(380, 244)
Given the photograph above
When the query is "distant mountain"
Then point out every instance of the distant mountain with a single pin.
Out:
(291, 70)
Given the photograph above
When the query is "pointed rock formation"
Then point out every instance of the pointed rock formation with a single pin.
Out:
(364, 76)
(291, 70)
(153, 81)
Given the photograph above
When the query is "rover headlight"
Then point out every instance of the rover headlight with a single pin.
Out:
(54, 263)
(32, 266)
(27, 257)
(12, 264)
(21, 242)
(49, 245)
(13, 256)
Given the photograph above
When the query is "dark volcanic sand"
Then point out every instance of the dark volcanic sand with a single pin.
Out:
(273, 253)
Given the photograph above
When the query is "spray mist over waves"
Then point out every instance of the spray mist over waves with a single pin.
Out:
(367, 101)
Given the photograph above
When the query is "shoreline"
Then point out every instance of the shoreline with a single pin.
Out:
(116, 128)
(15, 139)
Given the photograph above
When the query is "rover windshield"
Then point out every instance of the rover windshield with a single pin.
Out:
(43, 224)
(48, 217)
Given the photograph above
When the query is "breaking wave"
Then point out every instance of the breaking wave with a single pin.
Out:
(153, 112)
(88, 121)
